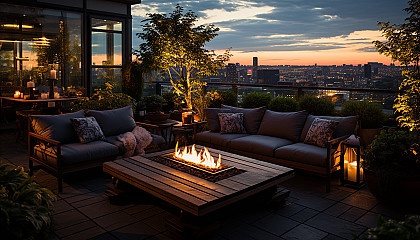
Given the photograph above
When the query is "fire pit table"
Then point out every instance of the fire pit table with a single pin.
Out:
(191, 191)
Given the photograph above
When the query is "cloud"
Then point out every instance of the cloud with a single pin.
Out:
(240, 13)
(327, 17)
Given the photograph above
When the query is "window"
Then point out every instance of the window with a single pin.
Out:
(106, 51)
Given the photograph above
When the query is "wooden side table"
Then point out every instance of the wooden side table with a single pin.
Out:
(185, 133)
(161, 128)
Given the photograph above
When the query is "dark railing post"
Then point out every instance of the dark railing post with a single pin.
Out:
(235, 89)
(158, 89)
(298, 93)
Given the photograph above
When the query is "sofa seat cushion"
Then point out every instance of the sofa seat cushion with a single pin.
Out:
(259, 144)
(57, 127)
(218, 138)
(252, 117)
(303, 153)
(286, 125)
(116, 121)
(346, 125)
(74, 153)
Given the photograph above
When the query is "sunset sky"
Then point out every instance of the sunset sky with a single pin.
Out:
(289, 32)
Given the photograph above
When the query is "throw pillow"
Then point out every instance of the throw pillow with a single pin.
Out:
(320, 132)
(252, 117)
(213, 121)
(231, 123)
(87, 129)
(116, 121)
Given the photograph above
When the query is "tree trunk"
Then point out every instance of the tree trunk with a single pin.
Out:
(188, 97)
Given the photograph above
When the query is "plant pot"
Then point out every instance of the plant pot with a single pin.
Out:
(368, 135)
(393, 188)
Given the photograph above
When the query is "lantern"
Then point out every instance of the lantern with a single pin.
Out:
(350, 161)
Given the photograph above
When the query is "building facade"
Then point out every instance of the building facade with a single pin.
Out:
(254, 68)
(85, 41)
(231, 73)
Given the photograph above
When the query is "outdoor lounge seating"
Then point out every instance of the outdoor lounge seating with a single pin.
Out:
(278, 137)
(54, 144)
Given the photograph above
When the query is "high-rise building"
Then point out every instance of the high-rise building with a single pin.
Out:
(268, 76)
(254, 68)
(231, 73)
(368, 71)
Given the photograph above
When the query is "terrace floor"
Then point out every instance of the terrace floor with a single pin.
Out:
(83, 211)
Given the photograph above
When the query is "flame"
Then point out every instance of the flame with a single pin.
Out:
(202, 158)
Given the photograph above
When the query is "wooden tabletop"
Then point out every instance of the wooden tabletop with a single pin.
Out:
(39, 100)
(193, 194)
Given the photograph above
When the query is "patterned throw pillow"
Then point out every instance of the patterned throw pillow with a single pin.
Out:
(87, 129)
(231, 122)
(320, 132)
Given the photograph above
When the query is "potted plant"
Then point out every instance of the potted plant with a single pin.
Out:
(25, 207)
(154, 105)
(391, 165)
(371, 118)
(316, 106)
(408, 229)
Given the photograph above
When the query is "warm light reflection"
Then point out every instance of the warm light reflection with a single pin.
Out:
(7, 25)
(202, 158)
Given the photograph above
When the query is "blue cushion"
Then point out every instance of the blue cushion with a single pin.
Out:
(116, 121)
(57, 127)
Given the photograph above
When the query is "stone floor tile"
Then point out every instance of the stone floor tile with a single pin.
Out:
(158, 221)
(101, 208)
(304, 215)
(82, 197)
(389, 211)
(254, 214)
(89, 201)
(337, 194)
(353, 214)
(335, 226)
(246, 231)
(289, 209)
(61, 206)
(304, 232)
(68, 218)
(312, 201)
(337, 209)
(332, 237)
(164, 236)
(104, 236)
(276, 224)
(115, 220)
(148, 213)
(86, 234)
(137, 208)
(369, 220)
(67, 231)
(361, 201)
(135, 231)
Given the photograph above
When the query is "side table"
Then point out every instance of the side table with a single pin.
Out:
(185, 133)
(163, 129)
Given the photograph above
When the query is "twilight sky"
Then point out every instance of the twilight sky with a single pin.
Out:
(294, 32)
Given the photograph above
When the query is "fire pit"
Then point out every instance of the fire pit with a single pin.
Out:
(199, 163)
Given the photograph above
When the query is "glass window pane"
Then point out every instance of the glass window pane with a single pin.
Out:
(106, 48)
(34, 39)
(105, 24)
(102, 75)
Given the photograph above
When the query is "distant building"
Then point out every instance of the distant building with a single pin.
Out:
(268, 76)
(368, 71)
(231, 73)
(254, 68)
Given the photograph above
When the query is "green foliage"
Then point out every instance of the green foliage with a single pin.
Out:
(408, 229)
(154, 103)
(173, 101)
(256, 99)
(174, 44)
(25, 207)
(216, 98)
(132, 80)
(408, 103)
(283, 104)
(403, 44)
(316, 106)
(370, 114)
(104, 99)
(394, 151)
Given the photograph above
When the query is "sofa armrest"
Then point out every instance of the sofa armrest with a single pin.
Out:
(150, 127)
(34, 138)
(337, 140)
(44, 139)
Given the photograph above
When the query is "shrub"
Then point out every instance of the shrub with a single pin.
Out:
(173, 101)
(216, 98)
(132, 80)
(408, 229)
(370, 114)
(25, 207)
(316, 106)
(104, 99)
(154, 103)
(283, 104)
(256, 99)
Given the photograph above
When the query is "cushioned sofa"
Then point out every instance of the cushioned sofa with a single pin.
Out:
(55, 145)
(278, 137)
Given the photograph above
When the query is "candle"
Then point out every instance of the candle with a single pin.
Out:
(56, 95)
(352, 171)
(53, 74)
(17, 94)
(30, 84)
(44, 95)
(51, 104)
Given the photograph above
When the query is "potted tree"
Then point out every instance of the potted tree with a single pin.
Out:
(371, 118)
(154, 105)
(391, 165)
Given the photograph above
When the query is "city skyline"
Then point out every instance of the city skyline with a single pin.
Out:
(283, 32)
